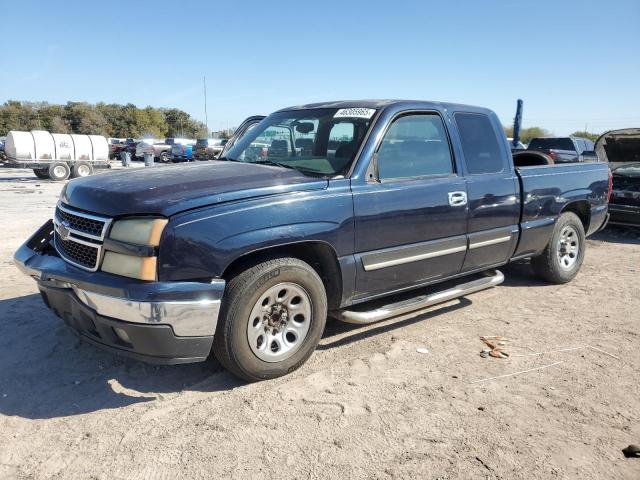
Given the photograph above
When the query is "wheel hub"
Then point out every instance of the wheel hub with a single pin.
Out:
(279, 322)
(568, 247)
(276, 316)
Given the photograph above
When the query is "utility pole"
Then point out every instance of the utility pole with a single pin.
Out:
(206, 118)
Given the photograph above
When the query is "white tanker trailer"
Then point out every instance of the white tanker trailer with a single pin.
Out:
(57, 156)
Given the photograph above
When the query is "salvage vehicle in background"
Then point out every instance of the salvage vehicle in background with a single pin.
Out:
(208, 148)
(161, 149)
(126, 145)
(624, 206)
(565, 149)
(246, 256)
(519, 146)
(246, 126)
(182, 152)
(621, 149)
(56, 156)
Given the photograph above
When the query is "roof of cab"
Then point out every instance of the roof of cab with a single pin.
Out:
(381, 104)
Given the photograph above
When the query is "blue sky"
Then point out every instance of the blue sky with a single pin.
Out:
(574, 63)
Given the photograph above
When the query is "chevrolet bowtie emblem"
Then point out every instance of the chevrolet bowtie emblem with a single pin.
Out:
(63, 231)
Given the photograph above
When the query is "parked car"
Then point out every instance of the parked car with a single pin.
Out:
(208, 148)
(518, 146)
(246, 126)
(182, 152)
(2, 141)
(245, 258)
(161, 149)
(565, 149)
(126, 145)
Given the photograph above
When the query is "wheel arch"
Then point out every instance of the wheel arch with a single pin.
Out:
(582, 209)
(320, 255)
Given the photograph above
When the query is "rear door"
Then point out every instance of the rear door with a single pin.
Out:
(492, 189)
(411, 224)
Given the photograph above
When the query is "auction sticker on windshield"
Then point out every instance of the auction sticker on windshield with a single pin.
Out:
(355, 113)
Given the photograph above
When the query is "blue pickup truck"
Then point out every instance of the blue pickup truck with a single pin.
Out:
(360, 210)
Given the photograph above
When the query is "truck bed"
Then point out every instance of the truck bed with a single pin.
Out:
(546, 190)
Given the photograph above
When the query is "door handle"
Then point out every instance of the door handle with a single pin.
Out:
(457, 199)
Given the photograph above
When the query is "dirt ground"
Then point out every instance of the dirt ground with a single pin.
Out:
(366, 405)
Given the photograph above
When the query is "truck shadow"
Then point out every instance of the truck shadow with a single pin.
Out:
(618, 234)
(46, 371)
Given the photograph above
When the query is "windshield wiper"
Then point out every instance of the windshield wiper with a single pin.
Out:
(277, 164)
(227, 159)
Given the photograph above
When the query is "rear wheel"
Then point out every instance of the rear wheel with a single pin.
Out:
(82, 169)
(42, 173)
(164, 157)
(272, 319)
(59, 171)
(561, 260)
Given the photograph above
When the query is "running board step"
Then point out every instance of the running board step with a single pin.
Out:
(421, 302)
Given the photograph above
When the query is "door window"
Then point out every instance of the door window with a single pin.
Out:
(415, 145)
(482, 152)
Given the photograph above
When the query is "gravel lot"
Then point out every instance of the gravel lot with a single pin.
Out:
(366, 405)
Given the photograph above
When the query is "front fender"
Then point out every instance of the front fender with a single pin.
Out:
(201, 244)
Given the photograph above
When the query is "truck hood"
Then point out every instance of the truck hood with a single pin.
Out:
(173, 189)
(619, 146)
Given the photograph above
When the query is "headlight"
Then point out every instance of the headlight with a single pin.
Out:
(142, 268)
(141, 231)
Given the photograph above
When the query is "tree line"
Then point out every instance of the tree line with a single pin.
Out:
(108, 119)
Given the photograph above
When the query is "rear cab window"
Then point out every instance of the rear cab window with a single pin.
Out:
(482, 152)
(552, 144)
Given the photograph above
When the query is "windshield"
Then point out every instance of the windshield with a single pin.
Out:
(322, 141)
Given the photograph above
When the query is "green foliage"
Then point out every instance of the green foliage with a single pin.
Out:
(584, 134)
(526, 134)
(108, 119)
(180, 124)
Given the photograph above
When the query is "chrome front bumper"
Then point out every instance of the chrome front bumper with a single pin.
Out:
(195, 318)
(191, 309)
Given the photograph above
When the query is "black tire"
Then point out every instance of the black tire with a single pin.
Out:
(82, 169)
(164, 157)
(42, 173)
(551, 264)
(59, 171)
(231, 343)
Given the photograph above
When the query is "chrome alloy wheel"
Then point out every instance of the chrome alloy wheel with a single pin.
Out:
(568, 247)
(279, 322)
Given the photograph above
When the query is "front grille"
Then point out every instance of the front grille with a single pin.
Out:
(83, 224)
(78, 237)
(77, 253)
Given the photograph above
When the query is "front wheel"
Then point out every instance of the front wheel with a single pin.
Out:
(272, 319)
(164, 157)
(563, 256)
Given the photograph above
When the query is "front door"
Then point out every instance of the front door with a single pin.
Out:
(411, 224)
